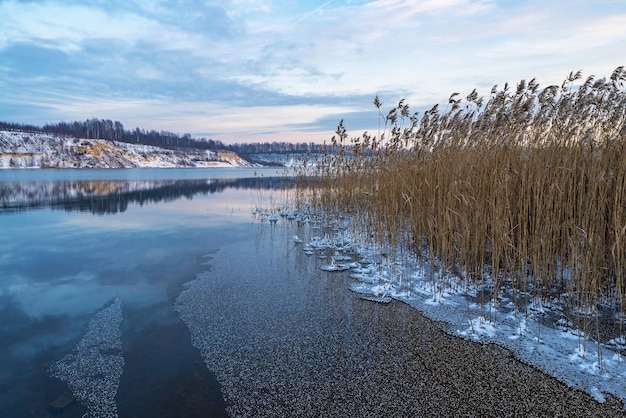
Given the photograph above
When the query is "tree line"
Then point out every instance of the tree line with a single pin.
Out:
(274, 148)
(114, 131)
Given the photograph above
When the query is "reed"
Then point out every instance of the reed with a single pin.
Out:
(524, 188)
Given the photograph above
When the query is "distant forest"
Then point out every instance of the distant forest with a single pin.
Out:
(114, 131)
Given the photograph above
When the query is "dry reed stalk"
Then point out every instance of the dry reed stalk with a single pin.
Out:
(525, 187)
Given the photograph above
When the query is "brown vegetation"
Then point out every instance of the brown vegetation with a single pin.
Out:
(525, 188)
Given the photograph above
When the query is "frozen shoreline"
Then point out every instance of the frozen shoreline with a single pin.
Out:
(286, 338)
(558, 351)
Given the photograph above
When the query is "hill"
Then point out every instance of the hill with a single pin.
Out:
(24, 149)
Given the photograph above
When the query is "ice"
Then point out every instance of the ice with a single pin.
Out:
(320, 243)
(333, 266)
(338, 256)
(379, 299)
(94, 367)
(479, 327)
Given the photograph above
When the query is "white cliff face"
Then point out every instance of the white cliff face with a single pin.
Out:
(20, 149)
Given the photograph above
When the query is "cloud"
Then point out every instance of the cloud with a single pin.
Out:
(65, 26)
(195, 59)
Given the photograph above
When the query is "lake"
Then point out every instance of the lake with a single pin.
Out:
(157, 293)
(72, 240)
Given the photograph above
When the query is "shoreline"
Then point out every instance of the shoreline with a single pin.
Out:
(286, 338)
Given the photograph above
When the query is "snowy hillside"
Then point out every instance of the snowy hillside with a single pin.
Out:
(38, 150)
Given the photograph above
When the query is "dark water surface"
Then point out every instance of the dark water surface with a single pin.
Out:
(72, 240)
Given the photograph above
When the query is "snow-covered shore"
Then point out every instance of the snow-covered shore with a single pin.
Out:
(20, 149)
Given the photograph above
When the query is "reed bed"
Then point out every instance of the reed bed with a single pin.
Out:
(523, 189)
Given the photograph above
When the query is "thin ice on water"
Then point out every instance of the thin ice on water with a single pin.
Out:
(94, 367)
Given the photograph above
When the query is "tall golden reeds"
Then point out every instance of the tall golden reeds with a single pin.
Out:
(526, 187)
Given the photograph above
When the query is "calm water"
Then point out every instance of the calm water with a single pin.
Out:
(203, 293)
(72, 240)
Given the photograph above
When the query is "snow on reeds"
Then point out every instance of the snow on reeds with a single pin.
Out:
(522, 191)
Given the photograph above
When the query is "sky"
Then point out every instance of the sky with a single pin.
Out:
(281, 70)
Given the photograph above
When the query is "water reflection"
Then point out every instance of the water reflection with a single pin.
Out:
(61, 261)
(113, 196)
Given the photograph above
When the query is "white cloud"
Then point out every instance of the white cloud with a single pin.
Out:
(239, 8)
(66, 26)
(227, 123)
(392, 45)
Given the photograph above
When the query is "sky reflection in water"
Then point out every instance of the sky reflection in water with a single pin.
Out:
(62, 259)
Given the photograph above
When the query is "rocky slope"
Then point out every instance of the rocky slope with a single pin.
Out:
(20, 149)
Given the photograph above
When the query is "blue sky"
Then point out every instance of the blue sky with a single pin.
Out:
(264, 70)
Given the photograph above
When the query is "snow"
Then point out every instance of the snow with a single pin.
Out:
(479, 327)
(20, 149)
